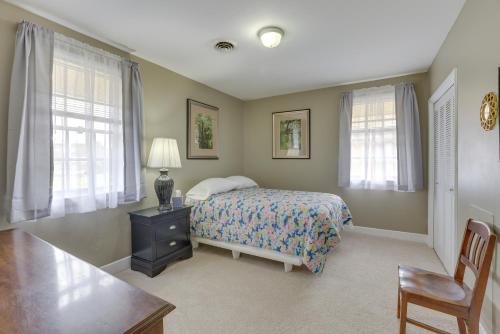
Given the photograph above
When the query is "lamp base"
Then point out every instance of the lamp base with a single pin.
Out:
(164, 185)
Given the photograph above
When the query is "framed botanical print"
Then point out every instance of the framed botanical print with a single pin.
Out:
(291, 134)
(202, 130)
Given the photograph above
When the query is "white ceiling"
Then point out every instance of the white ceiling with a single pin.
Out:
(327, 42)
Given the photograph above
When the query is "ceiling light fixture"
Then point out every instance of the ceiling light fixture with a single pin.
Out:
(271, 36)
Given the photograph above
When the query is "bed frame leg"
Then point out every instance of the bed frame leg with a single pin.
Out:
(236, 255)
(288, 267)
(195, 243)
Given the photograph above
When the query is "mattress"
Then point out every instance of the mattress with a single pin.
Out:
(304, 224)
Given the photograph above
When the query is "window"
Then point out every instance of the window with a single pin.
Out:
(74, 144)
(87, 128)
(374, 139)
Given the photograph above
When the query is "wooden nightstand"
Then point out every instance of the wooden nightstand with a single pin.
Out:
(159, 238)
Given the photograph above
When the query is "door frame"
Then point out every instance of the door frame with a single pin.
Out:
(449, 82)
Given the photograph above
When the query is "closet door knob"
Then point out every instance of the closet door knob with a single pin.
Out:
(173, 243)
(173, 227)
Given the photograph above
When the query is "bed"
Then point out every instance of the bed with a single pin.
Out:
(294, 227)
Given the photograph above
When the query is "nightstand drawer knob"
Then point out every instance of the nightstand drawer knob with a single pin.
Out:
(173, 227)
(173, 243)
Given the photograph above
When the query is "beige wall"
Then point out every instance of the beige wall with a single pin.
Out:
(373, 208)
(472, 47)
(104, 236)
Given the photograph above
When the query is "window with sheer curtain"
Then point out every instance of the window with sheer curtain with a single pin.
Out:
(87, 128)
(374, 163)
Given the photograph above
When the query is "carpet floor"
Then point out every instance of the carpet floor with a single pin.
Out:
(356, 293)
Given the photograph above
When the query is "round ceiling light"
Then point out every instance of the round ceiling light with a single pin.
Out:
(271, 36)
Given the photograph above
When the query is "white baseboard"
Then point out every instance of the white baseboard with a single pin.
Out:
(406, 236)
(117, 266)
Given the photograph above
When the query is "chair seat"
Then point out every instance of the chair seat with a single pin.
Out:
(436, 287)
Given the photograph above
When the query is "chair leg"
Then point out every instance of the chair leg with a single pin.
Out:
(473, 327)
(404, 310)
(399, 302)
(461, 326)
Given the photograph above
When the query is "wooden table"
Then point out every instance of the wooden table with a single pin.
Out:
(46, 290)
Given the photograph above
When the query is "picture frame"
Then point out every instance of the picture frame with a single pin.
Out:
(291, 134)
(202, 131)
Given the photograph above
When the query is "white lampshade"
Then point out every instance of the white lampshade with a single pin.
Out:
(164, 154)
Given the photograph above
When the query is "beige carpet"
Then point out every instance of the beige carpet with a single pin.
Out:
(356, 293)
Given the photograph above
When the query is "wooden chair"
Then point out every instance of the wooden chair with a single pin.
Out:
(448, 294)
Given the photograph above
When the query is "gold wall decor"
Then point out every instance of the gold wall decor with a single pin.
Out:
(489, 111)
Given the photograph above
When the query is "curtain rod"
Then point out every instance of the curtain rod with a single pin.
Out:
(77, 43)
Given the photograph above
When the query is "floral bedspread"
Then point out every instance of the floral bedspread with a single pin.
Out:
(305, 224)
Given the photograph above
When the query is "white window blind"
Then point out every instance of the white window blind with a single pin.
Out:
(87, 128)
(374, 139)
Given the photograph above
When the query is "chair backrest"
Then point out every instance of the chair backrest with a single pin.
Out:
(477, 251)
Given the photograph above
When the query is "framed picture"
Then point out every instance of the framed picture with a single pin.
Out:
(292, 134)
(202, 130)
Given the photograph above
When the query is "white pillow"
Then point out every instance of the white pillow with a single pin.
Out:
(242, 182)
(208, 187)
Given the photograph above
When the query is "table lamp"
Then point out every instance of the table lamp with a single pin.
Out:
(164, 154)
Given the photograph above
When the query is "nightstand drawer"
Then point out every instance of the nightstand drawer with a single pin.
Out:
(166, 247)
(172, 229)
(180, 214)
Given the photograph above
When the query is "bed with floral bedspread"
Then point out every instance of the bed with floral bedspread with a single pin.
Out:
(304, 224)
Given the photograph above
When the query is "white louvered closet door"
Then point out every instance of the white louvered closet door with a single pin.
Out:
(444, 178)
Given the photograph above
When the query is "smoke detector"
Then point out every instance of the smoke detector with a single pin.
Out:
(224, 46)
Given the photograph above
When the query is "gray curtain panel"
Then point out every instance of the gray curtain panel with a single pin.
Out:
(133, 132)
(410, 169)
(29, 139)
(345, 109)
